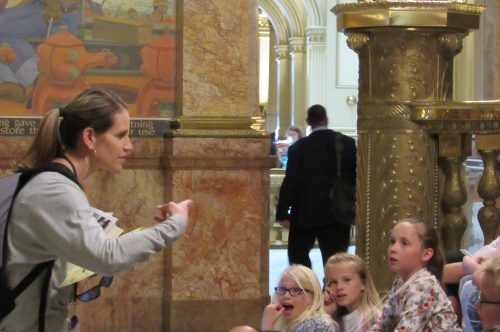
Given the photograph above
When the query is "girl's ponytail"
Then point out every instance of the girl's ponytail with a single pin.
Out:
(436, 263)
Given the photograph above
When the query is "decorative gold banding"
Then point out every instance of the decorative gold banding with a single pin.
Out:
(383, 110)
(218, 163)
(421, 5)
(482, 117)
(213, 123)
(477, 110)
(217, 127)
(404, 14)
(216, 133)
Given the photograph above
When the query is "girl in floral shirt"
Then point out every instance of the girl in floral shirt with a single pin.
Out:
(416, 301)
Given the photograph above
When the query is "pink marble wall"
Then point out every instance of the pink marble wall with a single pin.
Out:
(219, 56)
(220, 268)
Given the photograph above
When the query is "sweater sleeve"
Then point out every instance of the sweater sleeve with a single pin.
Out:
(61, 222)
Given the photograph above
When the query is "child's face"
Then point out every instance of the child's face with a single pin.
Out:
(294, 305)
(345, 284)
(406, 252)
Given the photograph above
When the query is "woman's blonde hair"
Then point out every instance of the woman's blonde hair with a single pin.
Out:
(60, 129)
(370, 302)
(305, 278)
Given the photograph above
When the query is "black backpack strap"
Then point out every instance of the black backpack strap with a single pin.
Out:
(43, 296)
(30, 278)
(27, 175)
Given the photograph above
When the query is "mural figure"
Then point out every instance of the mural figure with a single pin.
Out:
(30, 19)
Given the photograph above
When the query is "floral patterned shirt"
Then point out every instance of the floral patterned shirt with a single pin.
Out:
(318, 324)
(419, 304)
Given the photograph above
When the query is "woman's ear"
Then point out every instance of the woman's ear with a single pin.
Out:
(89, 138)
(427, 254)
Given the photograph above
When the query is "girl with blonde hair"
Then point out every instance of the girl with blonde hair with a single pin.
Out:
(296, 306)
(350, 294)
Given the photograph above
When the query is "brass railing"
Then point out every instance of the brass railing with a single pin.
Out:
(455, 124)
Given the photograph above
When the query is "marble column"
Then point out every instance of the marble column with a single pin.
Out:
(316, 64)
(283, 85)
(217, 275)
(298, 81)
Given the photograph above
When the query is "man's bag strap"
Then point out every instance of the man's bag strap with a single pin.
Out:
(339, 150)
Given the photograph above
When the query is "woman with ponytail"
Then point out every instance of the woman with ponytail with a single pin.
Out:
(52, 221)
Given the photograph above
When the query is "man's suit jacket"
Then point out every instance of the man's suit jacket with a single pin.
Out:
(311, 171)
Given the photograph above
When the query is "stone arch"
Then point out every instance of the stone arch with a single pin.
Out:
(294, 11)
(316, 12)
(279, 22)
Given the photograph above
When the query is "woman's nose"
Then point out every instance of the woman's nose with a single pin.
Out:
(128, 145)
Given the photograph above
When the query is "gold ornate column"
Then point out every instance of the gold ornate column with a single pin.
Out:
(406, 52)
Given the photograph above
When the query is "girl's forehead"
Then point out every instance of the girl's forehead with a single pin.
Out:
(287, 280)
(404, 229)
(342, 266)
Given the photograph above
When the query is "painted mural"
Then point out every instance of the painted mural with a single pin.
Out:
(51, 49)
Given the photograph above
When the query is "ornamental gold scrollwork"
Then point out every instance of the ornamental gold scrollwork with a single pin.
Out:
(406, 65)
(489, 190)
(356, 41)
(450, 44)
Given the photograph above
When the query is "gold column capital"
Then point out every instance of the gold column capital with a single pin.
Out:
(434, 14)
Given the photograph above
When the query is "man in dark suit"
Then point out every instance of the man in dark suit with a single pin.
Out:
(304, 203)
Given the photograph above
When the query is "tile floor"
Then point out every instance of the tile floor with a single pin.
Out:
(278, 261)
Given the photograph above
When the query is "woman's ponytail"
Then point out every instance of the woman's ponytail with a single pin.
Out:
(47, 143)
